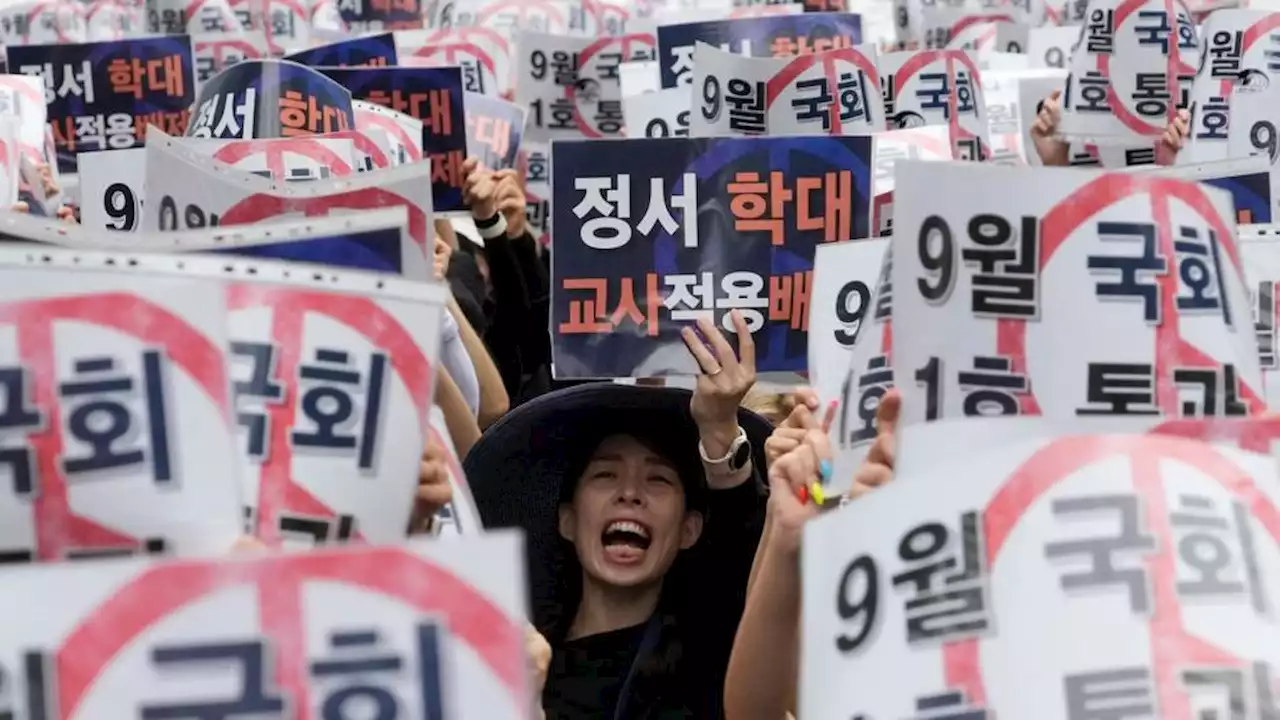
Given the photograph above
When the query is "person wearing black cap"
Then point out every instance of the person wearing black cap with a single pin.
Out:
(642, 509)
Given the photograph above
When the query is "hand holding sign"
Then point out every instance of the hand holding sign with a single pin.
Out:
(789, 481)
(878, 468)
(434, 490)
(1044, 133)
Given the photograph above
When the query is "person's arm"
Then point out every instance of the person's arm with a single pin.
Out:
(724, 381)
(494, 401)
(457, 416)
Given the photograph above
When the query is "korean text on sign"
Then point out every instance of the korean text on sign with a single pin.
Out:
(270, 99)
(651, 234)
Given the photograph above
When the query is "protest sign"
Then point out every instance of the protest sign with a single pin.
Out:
(570, 84)
(195, 193)
(1051, 47)
(363, 16)
(178, 17)
(664, 113)
(432, 96)
(460, 517)
(367, 51)
(844, 277)
(937, 87)
(483, 55)
(494, 130)
(1247, 179)
(1239, 54)
(113, 20)
(1130, 72)
(947, 28)
(1261, 259)
(637, 77)
(536, 160)
(628, 274)
(113, 184)
(923, 143)
(775, 36)
(828, 93)
(32, 22)
(1007, 120)
(117, 432)
(397, 136)
(428, 629)
(1162, 550)
(684, 15)
(10, 159)
(333, 372)
(22, 96)
(270, 99)
(296, 24)
(104, 95)
(1032, 91)
(510, 17)
(215, 53)
(1149, 265)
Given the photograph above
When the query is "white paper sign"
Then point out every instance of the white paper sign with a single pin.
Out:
(275, 633)
(399, 135)
(1049, 291)
(23, 96)
(738, 96)
(1032, 91)
(1050, 46)
(10, 159)
(923, 143)
(198, 193)
(484, 56)
(937, 87)
(334, 372)
(663, 113)
(460, 517)
(844, 278)
(1262, 273)
(638, 77)
(1238, 52)
(1119, 88)
(113, 182)
(215, 52)
(570, 84)
(989, 586)
(118, 434)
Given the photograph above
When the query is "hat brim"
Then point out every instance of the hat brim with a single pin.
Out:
(517, 469)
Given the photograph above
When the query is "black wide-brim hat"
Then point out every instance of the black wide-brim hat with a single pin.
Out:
(518, 469)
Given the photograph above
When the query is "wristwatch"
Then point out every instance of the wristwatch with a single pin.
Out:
(736, 458)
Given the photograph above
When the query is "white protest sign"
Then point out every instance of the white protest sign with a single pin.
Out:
(37, 22)
(986, 586)
(937, 87)
(844, 278)
(10, 159)
(829, 93)
(923, 143)
(215, 52)
(681, 16)
(399, 135)
(460, 517)
(960, 29)
(1006, 117)
(1119, 89)
(638, 77)
(1051, 46)
(198, 192)
(23, 96)
(179, 17)
(333, 373)
(117, 434)
(114, 20)
(664, 113)
(1066, 293)
(1238, 53)
(113, 182)
(570, 84)
(509, 17)
(426, 629)
(1002, 61)
(1262, 273)
(536, 158)
(484, 56)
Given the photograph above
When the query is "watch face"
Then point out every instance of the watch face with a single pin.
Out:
(741, 457)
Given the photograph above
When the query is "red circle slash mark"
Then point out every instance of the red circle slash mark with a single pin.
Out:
(23, 89)
(1255, 434)
(234, 152)
(259, 207)
(1171, 350)
(1173, 67)
(783, 79)
(365, 145)
(451, 51)
(1172, 648)
(923, 59)
(571, 92)
(524, 9)
(392, 128)
(989, 34)
(58, 529)
(165, 589)
(278, 492)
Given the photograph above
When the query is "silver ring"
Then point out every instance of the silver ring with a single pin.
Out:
(716, 372)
